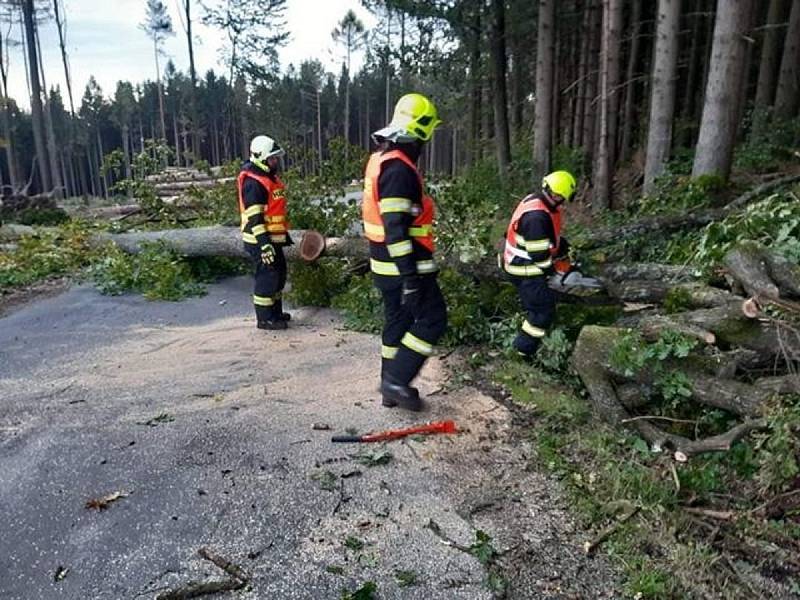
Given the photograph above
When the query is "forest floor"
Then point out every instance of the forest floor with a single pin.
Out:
(204, 425)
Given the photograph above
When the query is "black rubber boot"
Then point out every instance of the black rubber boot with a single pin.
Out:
(276, 325)
(285, 317)
(397, 394)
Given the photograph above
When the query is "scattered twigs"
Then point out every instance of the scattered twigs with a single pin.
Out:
(719, 515)
(445, 539)
(238, 580)
(763, 507)
(718, 443)
(591, 546)
(658, 418)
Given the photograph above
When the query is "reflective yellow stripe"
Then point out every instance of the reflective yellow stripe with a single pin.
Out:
(253, 210)
(278, 238)
(388, 351)
(383, 268)
(523, 270)
(427, 266)
(420, 230)
(249, 238)
(259, 229)
(545, 263)
(419, 346)
(277, 219)
(373, 229)
(278, 227)
(536, 245)
(263, 300)
(399, 248)
(532, 330)
(394, 205)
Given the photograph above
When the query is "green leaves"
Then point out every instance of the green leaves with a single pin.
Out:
(482, 548)
(374, 458)
(157, 272)
(366, 592)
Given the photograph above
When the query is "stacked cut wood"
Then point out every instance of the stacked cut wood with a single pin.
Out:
(174, 182)
(748, 352)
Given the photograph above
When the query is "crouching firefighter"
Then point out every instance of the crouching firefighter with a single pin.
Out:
(534, 250)
(265, 230)
(398, 222)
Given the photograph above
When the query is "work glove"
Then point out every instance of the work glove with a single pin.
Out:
(412, 293)
(267, 254)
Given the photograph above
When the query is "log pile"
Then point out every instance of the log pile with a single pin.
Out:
(748, 354)
(175, 182)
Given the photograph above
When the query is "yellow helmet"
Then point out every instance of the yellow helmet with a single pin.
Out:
(415, 117)
(561, 183)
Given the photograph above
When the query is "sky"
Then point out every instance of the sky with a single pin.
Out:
(104, 40)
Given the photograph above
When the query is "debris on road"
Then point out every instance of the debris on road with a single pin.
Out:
(104, 502)
(158, 420)
(374, 459)
(320, 427)
(61, 573)
(396, 434)
(238, 580)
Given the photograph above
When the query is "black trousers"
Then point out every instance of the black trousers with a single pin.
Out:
(539, 302)
(410, 334)
(269, 281)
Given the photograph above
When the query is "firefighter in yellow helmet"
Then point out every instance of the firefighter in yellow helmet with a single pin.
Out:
(398, 222)
(533, 250)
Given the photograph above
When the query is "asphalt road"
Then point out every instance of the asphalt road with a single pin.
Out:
(206, 424)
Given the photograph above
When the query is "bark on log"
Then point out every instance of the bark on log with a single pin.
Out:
(695, 295)
(221, 241)
(647, 272)
(747, 264)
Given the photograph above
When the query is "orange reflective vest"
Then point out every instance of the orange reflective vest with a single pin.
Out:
(518, 247)
(275, 223)
(421, 229)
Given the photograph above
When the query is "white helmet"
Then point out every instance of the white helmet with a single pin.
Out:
(262, 147)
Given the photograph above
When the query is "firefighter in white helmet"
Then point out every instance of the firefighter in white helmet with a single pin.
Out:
(265, 229)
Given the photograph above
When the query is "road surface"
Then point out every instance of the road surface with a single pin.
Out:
(206, 424)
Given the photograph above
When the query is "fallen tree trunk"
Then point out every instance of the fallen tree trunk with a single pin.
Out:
(693, 295)
(220, 241)
(748, 266)
(670, 223)
(591, 361)
(647, 272)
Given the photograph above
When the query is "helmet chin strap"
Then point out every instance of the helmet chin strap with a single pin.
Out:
(260, 164)
(551, 198)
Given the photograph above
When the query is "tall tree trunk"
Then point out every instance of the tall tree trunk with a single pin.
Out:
(178, 160)
(592, 65)
(64, 59)
(475, 89)
(10, 160)
(101, 154)
(690, 92)
(719, 122)
(662, 91)
(787, 97)
(52, 151)
(126, 150)
(768, 64)
(37, 114)
(581, 81)
(543, 119)
(609, 82)
(195, 110)
(497, 46)
(160, 94)
(630, 85)
(709, 47)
